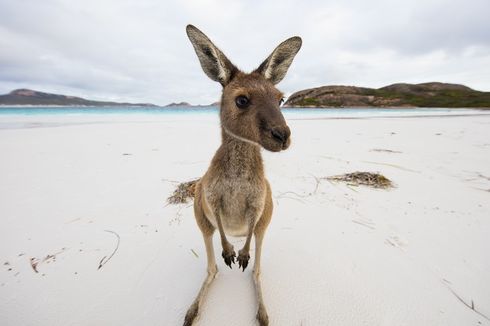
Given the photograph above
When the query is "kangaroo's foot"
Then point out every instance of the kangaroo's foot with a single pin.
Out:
(243, 258)
(191, 314)
(262, 316)
(228, 254)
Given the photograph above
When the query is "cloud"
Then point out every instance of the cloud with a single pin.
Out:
(138, 51)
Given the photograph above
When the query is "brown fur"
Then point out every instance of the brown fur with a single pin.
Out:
(234, 196)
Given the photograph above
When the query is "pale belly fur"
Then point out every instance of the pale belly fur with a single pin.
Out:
(234, 211)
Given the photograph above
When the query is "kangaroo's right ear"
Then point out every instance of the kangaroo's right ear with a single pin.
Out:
(214, 63)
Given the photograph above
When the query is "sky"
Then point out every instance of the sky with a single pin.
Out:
(137, 50)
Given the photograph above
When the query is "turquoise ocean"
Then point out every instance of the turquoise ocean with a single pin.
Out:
(29, 116)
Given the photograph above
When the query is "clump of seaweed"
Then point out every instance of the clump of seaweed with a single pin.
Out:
(382, 150)
(183, 192)
(369, 179)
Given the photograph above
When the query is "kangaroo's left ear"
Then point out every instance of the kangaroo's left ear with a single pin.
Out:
(275, 67)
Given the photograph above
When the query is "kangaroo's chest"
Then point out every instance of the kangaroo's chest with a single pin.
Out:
(237, 201)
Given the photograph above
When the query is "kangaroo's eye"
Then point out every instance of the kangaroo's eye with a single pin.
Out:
(281, 101)
(242, 101)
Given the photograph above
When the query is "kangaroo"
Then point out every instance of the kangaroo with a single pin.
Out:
(234, 196)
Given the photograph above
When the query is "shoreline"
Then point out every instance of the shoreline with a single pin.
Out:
(397, 117)
(157, 107)
(47, 120)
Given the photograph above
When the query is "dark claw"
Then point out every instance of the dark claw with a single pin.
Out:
(244, 265)
(229, 258)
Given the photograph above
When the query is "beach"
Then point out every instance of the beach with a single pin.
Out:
(87, 236)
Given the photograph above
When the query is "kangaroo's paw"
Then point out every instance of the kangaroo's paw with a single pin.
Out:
(228, 254)
(243, 258)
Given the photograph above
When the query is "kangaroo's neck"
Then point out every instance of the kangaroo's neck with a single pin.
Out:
(238, 157)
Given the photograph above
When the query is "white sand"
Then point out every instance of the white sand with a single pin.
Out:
(333, 255)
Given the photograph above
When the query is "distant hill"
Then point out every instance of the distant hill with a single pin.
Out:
(397, 95)
(180, 104)
(186, 104)
(31, 97)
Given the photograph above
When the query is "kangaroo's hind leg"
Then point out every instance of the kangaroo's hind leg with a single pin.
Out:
(207, 230)
(260, 228)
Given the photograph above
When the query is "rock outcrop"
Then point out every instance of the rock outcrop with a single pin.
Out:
(397, 95)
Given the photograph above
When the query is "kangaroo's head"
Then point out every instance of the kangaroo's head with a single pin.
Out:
(250, 103)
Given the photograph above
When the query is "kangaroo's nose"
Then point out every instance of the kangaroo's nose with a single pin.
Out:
(281, 134)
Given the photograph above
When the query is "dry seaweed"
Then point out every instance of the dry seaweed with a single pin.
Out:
(183, 193)
(104, 259)
(369, 179)
(34, 261)
(382, 150)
